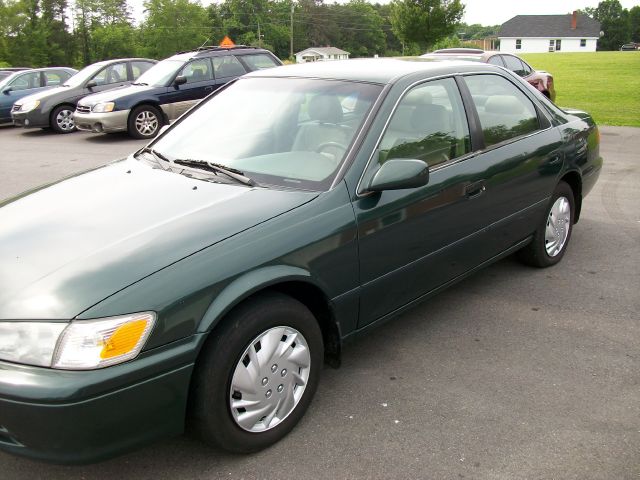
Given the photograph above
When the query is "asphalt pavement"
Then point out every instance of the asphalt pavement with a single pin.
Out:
(514, 373)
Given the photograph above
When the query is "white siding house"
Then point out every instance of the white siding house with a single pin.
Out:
(549, 33)
(316, 54)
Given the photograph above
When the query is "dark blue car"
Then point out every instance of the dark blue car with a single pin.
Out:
(25, 82)
(168, 89)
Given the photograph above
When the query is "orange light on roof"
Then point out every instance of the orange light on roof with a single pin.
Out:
(124, 339)
(227, 42)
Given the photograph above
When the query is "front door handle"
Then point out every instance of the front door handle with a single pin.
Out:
(475, 189)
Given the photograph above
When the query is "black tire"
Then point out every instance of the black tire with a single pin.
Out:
(144, 122)
(210, 413)
(535, 253)
(61, 119)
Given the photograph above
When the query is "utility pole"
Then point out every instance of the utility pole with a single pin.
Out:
(291, 34)
(259, 36)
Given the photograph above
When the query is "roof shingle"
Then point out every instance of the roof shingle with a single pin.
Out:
(547, 26)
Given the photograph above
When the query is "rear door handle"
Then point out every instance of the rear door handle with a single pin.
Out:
(474, 190)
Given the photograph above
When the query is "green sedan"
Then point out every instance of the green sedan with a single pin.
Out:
(204, 281)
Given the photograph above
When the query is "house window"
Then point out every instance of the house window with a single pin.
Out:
(558, 45)
(583, 42)
(518, 44)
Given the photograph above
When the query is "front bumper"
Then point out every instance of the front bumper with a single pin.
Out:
(85, 416)
(31, 119)
(102, 122)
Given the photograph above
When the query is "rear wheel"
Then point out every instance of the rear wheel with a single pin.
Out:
(144, 122)
(257, 374)
(62, 119)
(552, 237)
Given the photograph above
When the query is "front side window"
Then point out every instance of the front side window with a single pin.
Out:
(259, 61)
(505, 112)
(26, 81)
(285, 132)
(429, 124)
(496, 60)
(197, 71)
(518, 44)
(112, 74)
(227, 66)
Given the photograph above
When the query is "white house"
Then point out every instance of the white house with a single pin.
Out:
(315, 54)
(549, 33)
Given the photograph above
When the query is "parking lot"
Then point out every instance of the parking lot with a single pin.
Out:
(514, 373)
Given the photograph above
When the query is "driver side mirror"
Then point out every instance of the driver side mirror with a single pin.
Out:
(91, 84)
(7, 90)
(180, 80)
(398, 174)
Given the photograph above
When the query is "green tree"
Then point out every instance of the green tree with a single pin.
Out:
(424, 22)
(360, 28)
(614, 22)
(172, 26)
(634, 23)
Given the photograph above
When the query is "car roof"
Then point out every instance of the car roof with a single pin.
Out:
(116, 60)
(217, 51)
(374, 70)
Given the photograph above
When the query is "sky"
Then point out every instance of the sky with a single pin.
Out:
(485, 12)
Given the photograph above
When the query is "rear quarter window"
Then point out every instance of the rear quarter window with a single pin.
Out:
(259, 61)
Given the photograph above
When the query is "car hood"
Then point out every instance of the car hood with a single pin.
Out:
(63, 91)
(115, 94)
(68, 246)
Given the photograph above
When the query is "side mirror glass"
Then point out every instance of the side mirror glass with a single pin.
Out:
(398, 174)
(91, 84)
(180, 80)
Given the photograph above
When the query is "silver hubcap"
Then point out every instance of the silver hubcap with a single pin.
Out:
(270, 378)
(558, 225)
(64, 120)
(146, 123)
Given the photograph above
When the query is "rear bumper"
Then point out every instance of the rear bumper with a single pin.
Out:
(102, 122)
(79, 417)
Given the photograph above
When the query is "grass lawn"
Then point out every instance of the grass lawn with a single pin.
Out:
(605, 84)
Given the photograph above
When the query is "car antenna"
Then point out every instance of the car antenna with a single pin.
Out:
(205, 42)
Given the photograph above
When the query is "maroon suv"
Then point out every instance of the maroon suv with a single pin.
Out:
(541, 80)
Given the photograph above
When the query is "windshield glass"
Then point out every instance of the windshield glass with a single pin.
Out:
(161, 73)
(5, 79)
(83, 75)
(278, 131)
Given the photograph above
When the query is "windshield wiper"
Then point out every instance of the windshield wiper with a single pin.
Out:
(139, 83)
(217, 168)
(155, 153)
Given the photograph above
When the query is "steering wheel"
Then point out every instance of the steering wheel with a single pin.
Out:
(338, 149)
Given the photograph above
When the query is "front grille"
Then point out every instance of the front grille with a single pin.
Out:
(83, 109)
(16, 107)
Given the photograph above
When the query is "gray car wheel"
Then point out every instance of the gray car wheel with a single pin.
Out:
(62, 119)
(145, 122)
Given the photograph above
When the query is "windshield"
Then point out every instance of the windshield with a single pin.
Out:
(83, 75)
(5, 79)
(161, 73)
(278, 131)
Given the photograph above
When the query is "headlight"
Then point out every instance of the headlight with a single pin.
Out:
(30, 105)
(103, 107)
(79, 345)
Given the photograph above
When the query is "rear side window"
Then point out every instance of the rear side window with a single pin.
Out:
(514, 64)
(429, 124)
(198, 71)
(505, 112)
(55, 77)
(259, 61)
(138, 68)
(227, 66)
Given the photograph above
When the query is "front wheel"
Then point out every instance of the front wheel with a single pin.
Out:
(62, 119)
(257, 374)
(552, 237)
(144, 122)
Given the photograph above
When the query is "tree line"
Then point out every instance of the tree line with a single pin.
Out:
(79, 32)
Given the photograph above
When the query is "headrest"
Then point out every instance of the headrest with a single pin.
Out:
(325, 109)
(429, 118)
(418, 96)
(505, 104)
